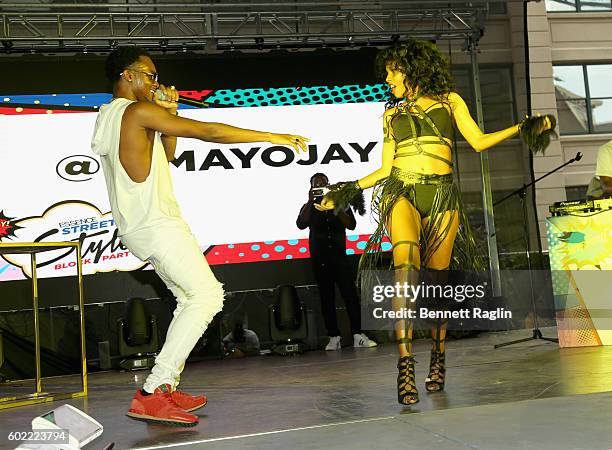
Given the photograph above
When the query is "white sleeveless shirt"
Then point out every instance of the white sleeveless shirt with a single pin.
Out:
(135, 206)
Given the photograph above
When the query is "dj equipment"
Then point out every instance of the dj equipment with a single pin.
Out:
(580, 207)
(580, 251)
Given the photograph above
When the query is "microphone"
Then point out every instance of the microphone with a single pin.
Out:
(159, 95)
(578, 156)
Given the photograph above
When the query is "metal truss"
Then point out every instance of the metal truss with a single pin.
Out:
(41, 26)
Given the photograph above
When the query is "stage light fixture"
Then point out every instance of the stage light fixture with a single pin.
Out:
(137, 336)
(288, 325)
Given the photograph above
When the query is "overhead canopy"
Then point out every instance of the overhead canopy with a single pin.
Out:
(38, 26)
(44, 27)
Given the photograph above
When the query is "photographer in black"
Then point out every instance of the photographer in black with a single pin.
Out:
(327, 243)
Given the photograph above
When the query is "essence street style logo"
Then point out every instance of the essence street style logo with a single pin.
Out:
(77, 168)
(74, 221)
(426, 295)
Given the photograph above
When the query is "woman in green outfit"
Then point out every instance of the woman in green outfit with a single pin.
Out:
(416, 202)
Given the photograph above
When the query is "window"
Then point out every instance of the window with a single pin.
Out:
(584, 98)
(497, 8)
(497, 95)
(578, 5)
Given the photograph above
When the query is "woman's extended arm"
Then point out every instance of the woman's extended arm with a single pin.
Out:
(471, 132)
(388, 151)
(387, 161)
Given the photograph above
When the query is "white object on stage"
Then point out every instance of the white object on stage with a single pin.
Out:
(82, 429)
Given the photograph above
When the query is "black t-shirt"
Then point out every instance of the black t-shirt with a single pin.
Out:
(327, 233)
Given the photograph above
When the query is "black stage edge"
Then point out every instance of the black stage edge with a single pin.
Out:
(119, 286)
(228, 70)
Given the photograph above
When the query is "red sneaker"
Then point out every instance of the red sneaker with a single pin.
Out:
(159, 407)
(188, 402)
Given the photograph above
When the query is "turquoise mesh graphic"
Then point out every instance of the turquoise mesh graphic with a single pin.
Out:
(315, 95)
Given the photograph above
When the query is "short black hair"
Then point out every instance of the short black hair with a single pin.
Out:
(318, 174)
(120, 58)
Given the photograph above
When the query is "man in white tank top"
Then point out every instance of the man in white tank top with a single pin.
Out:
(135, 136)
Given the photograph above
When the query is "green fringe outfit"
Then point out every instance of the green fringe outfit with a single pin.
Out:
(402, 183)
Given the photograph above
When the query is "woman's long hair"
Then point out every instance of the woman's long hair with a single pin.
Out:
(426, 68)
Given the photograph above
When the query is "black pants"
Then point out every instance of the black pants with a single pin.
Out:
(331, 271)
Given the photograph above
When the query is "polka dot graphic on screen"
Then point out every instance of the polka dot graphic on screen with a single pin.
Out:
(275, 250)
(315, 95)
(95, 99)
(386, 246)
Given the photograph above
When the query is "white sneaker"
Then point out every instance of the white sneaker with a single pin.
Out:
(334, 343)
(361, 340)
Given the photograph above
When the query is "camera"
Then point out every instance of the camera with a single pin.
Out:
(319, 192)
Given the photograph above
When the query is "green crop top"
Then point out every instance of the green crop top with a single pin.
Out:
(405, 127)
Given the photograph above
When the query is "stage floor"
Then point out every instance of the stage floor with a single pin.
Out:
(521, 396)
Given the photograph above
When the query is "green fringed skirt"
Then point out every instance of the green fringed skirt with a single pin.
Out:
(402, 183)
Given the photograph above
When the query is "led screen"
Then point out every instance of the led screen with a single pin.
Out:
(241, 200)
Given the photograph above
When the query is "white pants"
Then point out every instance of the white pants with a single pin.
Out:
(176, 256)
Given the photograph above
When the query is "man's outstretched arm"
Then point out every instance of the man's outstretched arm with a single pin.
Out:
(153, 117)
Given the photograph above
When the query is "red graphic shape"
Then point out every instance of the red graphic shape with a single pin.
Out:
(21, 111)
(7, 227)
(196, 95)
(271, 251)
